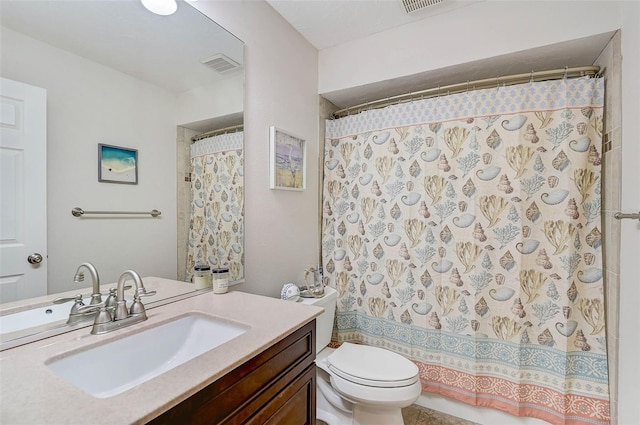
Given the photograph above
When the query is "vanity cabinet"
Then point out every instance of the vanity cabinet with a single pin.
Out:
(277, 386)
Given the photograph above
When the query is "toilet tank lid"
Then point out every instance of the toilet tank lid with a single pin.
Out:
(329, 297)
(372, 363)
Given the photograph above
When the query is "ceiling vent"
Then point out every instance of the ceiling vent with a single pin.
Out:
(415, 5)
(220, 63)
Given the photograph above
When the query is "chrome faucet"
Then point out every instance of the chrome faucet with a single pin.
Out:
(121, 304)
(75, 315)
(105, 321)
(96, 297)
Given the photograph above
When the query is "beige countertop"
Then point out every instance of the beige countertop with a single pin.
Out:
(30, 393)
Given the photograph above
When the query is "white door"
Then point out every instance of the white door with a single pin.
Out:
(23, 191)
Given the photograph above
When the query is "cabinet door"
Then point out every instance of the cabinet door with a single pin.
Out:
(295, 405)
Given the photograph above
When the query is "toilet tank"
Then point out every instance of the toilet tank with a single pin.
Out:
(324, 322)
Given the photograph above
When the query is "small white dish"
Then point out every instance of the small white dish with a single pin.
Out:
(290, 292)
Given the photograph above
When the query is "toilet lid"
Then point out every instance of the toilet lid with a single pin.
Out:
(372, 366)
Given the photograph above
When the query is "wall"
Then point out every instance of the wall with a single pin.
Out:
(183, 180)
(629, 315)
(222, 98)
(611, 61)
(281, 90)
(88, 104)
(460, 37)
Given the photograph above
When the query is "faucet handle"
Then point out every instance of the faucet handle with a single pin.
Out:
(103, 315)
(112, 298)
(78, 304)
(137, 308)
(142, 292)
(91, 307)
(62, 300)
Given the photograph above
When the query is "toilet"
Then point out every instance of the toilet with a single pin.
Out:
(359, 384)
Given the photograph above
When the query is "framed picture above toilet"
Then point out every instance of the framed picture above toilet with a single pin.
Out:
(288, 157)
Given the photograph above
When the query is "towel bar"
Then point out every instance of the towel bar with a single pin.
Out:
(79, 212)
(632, 216)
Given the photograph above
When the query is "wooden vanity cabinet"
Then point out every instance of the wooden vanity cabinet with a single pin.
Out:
(278, 386)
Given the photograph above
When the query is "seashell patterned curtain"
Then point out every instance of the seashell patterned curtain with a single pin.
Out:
(216, 227)
(464, 233)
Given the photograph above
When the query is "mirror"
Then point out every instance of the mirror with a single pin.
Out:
(117, 74)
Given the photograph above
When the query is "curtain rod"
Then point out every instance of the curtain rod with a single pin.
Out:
(217, 132)
(554, 74)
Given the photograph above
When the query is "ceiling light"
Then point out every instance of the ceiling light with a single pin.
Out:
(161, 7)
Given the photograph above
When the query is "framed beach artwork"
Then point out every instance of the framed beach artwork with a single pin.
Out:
(288, 168)
(117, 164)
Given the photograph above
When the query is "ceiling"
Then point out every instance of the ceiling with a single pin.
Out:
(326, 23)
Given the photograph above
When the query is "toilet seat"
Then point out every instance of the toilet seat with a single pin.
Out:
(372, 366)
(380, 396)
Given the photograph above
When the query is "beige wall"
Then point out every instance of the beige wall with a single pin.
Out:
(183, 175)
(479, 31)
(219, 99)
(629, 316)
(610, 61)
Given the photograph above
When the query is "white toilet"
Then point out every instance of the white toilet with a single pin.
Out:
(359, 384)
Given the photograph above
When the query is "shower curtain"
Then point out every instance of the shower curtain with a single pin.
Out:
(464, 233)
(216, 227)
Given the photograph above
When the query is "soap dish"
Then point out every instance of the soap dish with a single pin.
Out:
(290, 292)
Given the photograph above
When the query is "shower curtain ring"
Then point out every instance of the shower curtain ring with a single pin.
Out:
(566, 71)
(531, 80)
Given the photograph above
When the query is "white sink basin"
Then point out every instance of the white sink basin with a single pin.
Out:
(33, 317)
(117, 366)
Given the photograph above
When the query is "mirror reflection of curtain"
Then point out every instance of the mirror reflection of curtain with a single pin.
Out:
(464, 233)
(216, 227)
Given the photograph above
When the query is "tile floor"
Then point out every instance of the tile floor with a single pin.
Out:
(418, 415)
